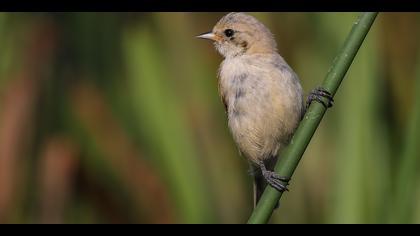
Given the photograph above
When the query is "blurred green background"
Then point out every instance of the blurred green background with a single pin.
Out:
(115, 118)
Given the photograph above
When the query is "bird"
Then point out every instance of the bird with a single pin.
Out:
(262, 95)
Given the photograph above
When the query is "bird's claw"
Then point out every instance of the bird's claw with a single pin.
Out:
(317, 95)
(274, 180)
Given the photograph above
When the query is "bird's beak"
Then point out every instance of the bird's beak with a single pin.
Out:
(208, 35)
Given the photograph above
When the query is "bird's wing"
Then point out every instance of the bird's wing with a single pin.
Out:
(223, 97)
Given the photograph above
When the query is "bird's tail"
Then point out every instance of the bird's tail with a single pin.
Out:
(259, 180)
(259, 186)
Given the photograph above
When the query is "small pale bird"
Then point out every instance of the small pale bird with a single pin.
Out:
(262, 95)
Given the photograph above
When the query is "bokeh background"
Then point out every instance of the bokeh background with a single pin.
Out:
(115, 118)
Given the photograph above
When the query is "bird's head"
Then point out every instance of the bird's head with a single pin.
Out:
(238, 33)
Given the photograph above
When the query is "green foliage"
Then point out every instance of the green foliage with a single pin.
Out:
(115, 117)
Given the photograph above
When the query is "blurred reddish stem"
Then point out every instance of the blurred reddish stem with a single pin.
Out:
(17, 113)
(56, 174)
(15, 123)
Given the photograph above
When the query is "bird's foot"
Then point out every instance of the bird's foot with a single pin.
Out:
(274, 180)
(317, 95)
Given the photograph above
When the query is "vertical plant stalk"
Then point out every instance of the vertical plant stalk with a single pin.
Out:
(293, 153)
(405, 193)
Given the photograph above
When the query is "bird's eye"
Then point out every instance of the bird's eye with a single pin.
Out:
(229, 32)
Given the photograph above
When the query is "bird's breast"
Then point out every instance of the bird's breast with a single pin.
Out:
(263, 103)
(243, 87)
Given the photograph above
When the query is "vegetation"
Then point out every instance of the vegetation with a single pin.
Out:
(115, 117)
